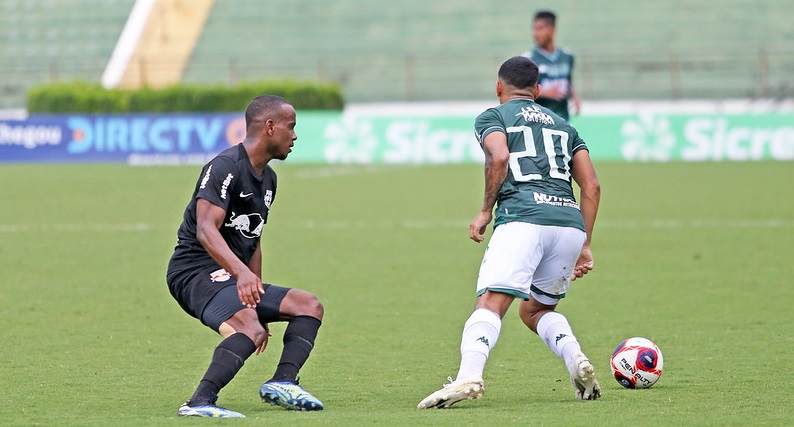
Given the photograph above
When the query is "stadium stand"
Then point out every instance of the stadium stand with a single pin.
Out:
(50, 40)
(165, 43)
(429, 50)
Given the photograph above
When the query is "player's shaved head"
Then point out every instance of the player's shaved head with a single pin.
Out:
(269, 129)
(548, 16)
(262, 108)
(519, 72)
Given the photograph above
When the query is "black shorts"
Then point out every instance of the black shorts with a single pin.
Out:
(212, 298)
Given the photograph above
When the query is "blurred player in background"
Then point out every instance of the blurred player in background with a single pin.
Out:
(215, 272)
(555, 65)
(541, 238)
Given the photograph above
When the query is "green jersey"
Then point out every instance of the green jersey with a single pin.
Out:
(555, 68)
(538, 184)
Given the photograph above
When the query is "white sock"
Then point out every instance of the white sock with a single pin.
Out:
(554, 330)
(479, 337)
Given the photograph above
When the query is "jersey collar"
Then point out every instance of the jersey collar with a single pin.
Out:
(552, 56)
(250, 167)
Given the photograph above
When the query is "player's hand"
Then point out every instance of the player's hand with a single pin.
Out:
(576, 105)
(262, 347)
(584, 264)
(554, 91)
(249, 289)
(478, 225)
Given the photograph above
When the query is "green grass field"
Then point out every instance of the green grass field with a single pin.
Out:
(697, 257)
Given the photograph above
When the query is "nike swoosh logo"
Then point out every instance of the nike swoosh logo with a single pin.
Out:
(243, 195)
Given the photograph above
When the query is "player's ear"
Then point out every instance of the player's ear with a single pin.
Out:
(499, 88)
(536, 92)
(270, 127)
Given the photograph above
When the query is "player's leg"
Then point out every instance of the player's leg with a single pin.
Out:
(480, 333)
(242, 335)
(303, 312)
(550, 283)
(509, 261)
(555, 331)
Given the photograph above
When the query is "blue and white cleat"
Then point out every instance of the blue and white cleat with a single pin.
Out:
(289, 395)
(209, 411)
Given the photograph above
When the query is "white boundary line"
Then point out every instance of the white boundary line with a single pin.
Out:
(75, 228)
(348, 170)
(608, 224)
(411, 224)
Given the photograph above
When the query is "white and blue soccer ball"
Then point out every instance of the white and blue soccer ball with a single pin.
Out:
(637, 363)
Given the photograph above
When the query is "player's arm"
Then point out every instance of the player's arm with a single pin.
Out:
(497, 156)
(551, 91)
(255, 265)
(209, 219)
(575, 101)
(590, 196)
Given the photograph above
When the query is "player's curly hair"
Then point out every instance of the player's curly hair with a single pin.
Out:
(519, 72)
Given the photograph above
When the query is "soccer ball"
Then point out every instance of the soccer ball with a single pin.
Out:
(637, 363)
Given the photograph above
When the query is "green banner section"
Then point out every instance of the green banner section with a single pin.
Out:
(326, 137)
(694, 138)
(399, 134)
(347, 138)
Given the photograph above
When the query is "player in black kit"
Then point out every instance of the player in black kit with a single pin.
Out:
(215, 272)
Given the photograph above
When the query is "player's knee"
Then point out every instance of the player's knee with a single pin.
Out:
(531, 320)
(302, 303)
(255, 332)
(258, 335)
(246, 322)
(530, 317)
(313, 307)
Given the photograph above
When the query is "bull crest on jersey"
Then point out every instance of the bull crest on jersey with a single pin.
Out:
(244, 224)
(268, 198)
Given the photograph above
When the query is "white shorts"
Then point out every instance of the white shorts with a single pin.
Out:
(524, 259)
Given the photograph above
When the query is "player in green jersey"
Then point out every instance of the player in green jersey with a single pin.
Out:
(541, 238)
(555, 65)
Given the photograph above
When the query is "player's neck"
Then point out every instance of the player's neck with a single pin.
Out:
(520, 94)
(548, 47)
(258, 158)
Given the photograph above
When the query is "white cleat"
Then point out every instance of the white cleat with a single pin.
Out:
(452, 393)
(583, 378)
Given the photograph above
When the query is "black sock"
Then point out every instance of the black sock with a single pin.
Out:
(228, 358)
(298, 343)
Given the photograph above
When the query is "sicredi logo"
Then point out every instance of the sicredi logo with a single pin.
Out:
(350, 141)
(404, 141)
(647, 138)
(716, 139)
(663, 138)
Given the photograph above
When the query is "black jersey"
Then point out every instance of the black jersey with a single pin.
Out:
(228, 181)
